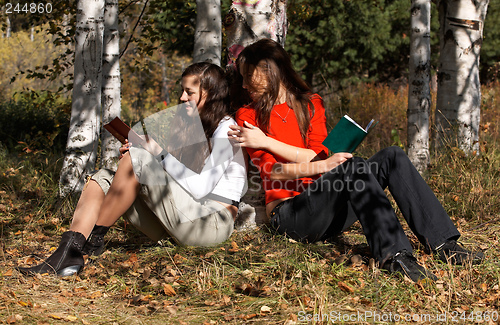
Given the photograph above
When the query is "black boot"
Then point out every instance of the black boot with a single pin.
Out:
(95, 243)
(66, 260)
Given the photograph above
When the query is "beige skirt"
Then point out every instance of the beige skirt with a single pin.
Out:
(164, 209)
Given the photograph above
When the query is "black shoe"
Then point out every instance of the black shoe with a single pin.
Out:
(66, 260)
(95, 243)
(406, 264)
(456, 254)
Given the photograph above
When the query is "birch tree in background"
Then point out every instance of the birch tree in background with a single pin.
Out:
(110, 83)
(208, 33)
(459, 90)
(249, 21)
(83, 136)
(419, 96)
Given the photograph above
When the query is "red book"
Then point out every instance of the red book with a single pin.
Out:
(119, 129)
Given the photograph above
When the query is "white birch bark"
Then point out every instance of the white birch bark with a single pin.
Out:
(81, 148)
(7, 32)
(249, 21)
(207, 36)
(111, 107)
(419, 95)
(459, 90)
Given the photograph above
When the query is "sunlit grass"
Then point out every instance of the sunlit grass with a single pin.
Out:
(256, 276)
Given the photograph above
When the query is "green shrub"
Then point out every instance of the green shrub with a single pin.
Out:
(33, 121)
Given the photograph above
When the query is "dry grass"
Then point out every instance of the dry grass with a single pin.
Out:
(256, 277)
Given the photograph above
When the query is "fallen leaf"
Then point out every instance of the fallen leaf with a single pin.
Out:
(484, 287)
(265, 309)
(172, 309)
(146, 274)
(226, 299)
(62, 300)
(234, 247)
(142, 310)
(247, 317)
(168, 290)
(8, 273)
(97, 294)
(345, 287)
(14, 318)
(24, 304)
(178, 259)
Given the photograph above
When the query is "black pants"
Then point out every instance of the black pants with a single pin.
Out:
(355, 191)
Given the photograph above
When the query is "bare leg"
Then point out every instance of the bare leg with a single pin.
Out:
(121, 194)
(87, 209)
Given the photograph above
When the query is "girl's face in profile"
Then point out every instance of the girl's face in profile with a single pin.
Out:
(191, 94)
(254, 80)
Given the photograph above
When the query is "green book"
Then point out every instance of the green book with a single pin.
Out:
(346, 135)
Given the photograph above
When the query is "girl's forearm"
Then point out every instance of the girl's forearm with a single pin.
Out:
(292, 171)
(289, 152)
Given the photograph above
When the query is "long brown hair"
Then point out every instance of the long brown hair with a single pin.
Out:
(214, 87)
(277, 65)
(213, 84)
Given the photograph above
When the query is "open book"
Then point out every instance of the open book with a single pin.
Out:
(347, 135)
(120, 130)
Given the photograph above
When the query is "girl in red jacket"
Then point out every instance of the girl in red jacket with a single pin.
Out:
(312, 197)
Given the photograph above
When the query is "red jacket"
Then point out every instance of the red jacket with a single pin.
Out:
(289, 133)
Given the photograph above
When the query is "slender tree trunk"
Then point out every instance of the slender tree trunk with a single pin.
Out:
(81, 149)
(207, 36)
(248, 22)
(419, 96)
(7, 32)
(459, 89)
(110, 83)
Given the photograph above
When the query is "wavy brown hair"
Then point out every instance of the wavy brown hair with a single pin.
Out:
(278, 68)
(214, 87)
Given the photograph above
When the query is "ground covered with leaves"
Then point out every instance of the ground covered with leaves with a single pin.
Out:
(256, 277)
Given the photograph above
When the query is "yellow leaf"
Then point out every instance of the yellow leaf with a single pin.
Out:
(234, 247)
(71, 318)
(8, 273)
(484, 287)
(96, 294)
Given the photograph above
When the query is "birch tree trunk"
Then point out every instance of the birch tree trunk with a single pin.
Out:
(419, 96)
(207, 36)
(249, 21)
(7, 32)
(110, 83)
(81, 148)
(459, 89)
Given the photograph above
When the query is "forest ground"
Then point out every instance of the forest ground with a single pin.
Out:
(256, 277)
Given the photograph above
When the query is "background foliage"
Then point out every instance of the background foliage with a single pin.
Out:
(337, 45)
(355, 54)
